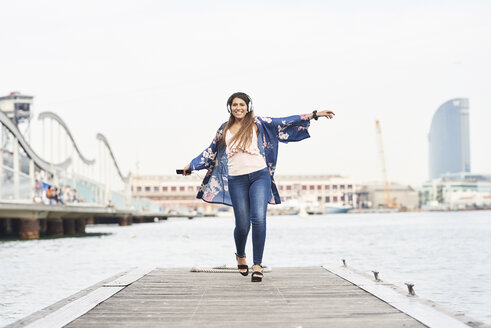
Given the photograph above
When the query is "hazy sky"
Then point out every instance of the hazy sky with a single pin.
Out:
(154, 76)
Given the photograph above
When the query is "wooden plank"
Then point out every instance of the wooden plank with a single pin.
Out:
(129, 278)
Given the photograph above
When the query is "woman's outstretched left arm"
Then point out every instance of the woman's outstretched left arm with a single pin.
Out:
(329, 114)
(295, 127)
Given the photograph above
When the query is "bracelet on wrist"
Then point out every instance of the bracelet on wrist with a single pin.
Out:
(314, 116)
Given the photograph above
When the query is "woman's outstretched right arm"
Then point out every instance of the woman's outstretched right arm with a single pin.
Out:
(206, 157)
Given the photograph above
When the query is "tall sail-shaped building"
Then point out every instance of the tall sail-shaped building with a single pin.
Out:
(449, 139)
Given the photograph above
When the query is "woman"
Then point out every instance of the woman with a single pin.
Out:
(241, 161)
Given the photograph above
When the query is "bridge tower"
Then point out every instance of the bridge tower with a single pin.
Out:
(17, 107)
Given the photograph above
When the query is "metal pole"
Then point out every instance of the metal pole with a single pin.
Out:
(99, 164)
(66, 145)
(16, 168)
(51, 141)
(106, 171)
(31, 175)
(59, 157)
(43, 139)
(71, 154)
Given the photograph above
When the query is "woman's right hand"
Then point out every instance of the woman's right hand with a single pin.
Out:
(186, 170)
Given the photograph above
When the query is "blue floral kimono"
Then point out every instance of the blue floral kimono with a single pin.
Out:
(214, 188)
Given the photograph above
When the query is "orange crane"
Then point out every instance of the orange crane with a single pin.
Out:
(388, 201)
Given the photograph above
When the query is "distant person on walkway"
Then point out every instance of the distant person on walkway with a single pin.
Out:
(38, 191)
(67, 194)
(53, 195)
(76, 198)
(241, 161)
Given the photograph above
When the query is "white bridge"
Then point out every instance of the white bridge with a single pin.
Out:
(97, 179)
(90, 188)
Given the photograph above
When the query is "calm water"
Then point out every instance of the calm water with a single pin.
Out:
(446, 255)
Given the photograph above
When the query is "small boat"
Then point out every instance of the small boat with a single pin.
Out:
(336, 208)
(314, 208)
(289, 207)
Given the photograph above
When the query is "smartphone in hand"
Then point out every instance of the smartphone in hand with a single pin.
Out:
(181, 171)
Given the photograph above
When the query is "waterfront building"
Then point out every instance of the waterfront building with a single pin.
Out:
(449, 150)
(374, 196)
(456, 191)
(172, 191)
(316, 188)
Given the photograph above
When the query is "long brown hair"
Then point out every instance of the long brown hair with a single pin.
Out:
(244, 135)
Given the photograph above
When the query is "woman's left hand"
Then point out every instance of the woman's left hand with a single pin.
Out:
(326, 113)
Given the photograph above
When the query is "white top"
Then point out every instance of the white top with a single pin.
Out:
(243, 160)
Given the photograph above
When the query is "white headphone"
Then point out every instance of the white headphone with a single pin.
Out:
(249, 105)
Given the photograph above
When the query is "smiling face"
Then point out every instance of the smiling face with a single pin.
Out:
(239, 108)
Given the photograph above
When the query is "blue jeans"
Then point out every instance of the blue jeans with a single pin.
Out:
(250, 194)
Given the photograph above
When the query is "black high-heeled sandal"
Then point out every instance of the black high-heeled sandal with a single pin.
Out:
(242, 266)
(257, 276)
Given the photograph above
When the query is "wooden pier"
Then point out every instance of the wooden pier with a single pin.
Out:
(30, 221)
(287, 297)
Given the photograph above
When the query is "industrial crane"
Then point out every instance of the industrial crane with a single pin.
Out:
(388, 201)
